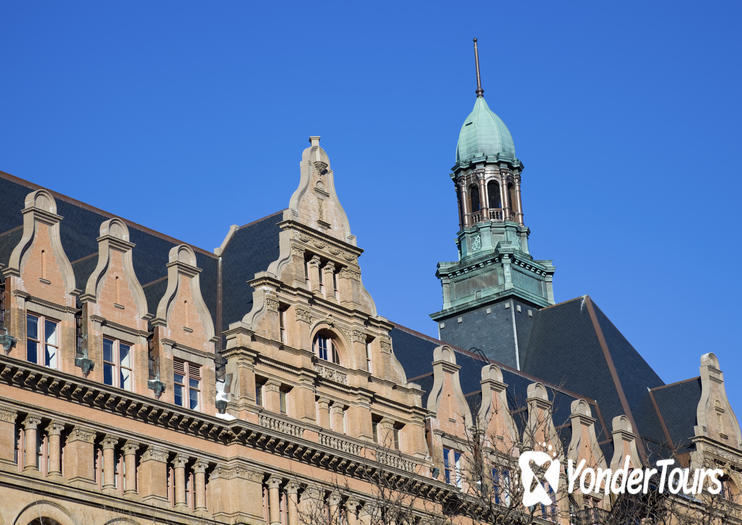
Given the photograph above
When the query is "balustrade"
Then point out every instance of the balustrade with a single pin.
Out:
(490, 214)
(280, 425)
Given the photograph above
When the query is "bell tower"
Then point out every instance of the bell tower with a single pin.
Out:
(491, 293)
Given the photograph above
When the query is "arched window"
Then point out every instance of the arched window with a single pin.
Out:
(474, 196)
(325, 347)
(493, 192)
(512, 196)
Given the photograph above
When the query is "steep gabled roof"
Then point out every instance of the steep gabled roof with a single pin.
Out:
(674, 409)
(574, 344)
(415, 352)
(248, 250)
(79, 230)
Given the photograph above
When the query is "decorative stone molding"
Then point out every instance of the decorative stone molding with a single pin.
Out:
(357, 336)
(41, 209)
(274, 482)
(182, 269)
(55, 429)
(494, 413)
(31, 422)
(714, 415)
(448, 406)
(331, 374)
(154, 453)
(540, 426)
(584, 443)
(303, 315)
(109, 442)
(131, 447)
(624, 443)
(114, 235)
(8, 415)
(81, 434)
(271, 304)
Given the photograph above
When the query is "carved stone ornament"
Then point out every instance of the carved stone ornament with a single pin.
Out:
(154, 454)
(271, 304)
(357, 336)
(7, 415)
(81, 434)
(303, 315)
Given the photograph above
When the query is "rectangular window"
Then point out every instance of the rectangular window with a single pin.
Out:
(186, 384)
(282, 397)
(117, 363)
(282, 309)
(395, 436)
(501, 486)
(42, 340)
(452, 466)
(369, 363)
(259, 382)
(375, 428)
(322, 344)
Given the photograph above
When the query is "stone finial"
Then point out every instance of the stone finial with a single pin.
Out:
(624, 443)
(584, 443)
(540, 425)
(714, 415)
(114, 275)
(184, 301)
(315, 202)
(446, 399)
(494, 413)
(39, 255)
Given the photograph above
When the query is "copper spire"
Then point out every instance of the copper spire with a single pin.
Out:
(480, 91)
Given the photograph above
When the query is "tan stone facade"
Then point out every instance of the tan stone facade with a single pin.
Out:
(119, 409)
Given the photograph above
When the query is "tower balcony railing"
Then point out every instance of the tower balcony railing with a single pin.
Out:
(489, 214)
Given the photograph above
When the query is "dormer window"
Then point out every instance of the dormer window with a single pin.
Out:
(42, 344)
(325, 347)
(117, 363)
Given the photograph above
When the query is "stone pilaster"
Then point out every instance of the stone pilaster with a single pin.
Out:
(7, 434)
(235, 493)
(79, 456)
(153, 475)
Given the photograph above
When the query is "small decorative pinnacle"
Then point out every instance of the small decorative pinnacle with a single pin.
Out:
(480, 91)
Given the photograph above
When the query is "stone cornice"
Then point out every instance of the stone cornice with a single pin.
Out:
(298, 226)
(269, 438)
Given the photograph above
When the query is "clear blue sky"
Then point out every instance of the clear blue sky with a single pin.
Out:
(187, 117)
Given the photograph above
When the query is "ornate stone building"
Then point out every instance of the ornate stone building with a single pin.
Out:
(144, 380)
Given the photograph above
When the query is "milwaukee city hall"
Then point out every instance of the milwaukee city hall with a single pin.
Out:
(144, 380)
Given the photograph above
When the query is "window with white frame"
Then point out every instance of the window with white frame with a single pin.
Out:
(325, 347)
(117, 363)
(187, 384)
(42, 340)
(452, 466)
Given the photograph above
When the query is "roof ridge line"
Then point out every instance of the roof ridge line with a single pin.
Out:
(88, 207)
(660, 387)
(614, 373)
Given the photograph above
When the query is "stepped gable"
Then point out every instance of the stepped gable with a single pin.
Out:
(79, 230)
(246, 250)
(415, 351)
(574, 344)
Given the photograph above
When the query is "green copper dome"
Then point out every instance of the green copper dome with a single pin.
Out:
(484, 134)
